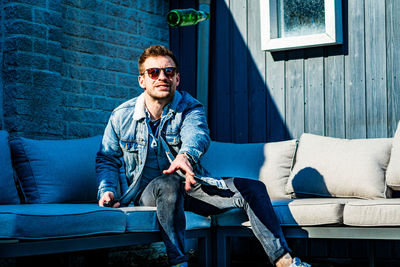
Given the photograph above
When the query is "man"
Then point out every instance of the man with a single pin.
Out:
(161, 136)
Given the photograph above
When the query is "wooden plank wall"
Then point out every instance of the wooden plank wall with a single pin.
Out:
(183, 43)
(350, 90)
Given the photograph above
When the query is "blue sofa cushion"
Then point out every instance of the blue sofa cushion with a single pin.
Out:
(9, 193)
(234, 160)
(41, 221)
(144, 219)
(56, 171)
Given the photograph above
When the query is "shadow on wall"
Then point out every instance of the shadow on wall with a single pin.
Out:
(248, 100)
(241, 108)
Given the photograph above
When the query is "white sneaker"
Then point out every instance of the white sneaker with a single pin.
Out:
(298, 263)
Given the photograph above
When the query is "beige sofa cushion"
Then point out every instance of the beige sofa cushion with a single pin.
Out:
(310, 211)
(326, 166)
(393, 169)
(378, 212)
(276, 168)
(293, 212)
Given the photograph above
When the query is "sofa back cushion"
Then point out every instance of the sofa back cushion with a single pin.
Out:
(275, 171)
(234, 160)
(326, 166)
(393, 169)
(56, 171)
(9, 193)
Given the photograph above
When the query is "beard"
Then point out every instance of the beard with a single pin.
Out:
(161, 93)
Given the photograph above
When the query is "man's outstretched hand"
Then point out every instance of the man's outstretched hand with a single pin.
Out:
(181, 162)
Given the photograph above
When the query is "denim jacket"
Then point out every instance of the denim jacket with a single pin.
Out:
(183, 129)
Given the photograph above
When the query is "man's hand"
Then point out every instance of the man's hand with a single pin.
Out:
(107, 197)
(181, 162)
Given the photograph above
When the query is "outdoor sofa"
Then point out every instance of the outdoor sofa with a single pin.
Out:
(321, 187)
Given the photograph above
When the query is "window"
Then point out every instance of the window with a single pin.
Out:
(291, 24)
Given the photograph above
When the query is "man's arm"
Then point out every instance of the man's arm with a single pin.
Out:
(195, 142)
(195, 135)
(108, 164)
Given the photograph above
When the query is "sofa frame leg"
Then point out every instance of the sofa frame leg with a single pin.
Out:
(371, 253)
(223, 249)
(205, 251)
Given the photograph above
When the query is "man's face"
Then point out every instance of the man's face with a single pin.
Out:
(162, 87)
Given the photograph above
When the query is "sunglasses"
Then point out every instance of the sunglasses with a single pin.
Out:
(155, 72)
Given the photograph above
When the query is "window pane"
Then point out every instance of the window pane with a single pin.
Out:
(300, 17)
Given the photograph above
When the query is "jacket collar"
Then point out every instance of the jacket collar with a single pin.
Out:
(140, 108)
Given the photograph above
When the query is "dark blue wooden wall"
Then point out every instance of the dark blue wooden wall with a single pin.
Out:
(350, 90)
(183, 42)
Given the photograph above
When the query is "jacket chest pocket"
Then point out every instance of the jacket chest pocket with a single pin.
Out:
(172, 134)
(130, 151)
(129, 146)
(172, 139)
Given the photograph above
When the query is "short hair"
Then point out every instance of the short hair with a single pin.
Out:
(155, 51)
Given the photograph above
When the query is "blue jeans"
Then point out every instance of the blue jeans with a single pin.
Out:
(167, 193)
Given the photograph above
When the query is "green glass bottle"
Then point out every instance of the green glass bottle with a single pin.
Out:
(185, 17)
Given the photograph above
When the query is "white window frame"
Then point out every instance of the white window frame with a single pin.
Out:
(333, 28)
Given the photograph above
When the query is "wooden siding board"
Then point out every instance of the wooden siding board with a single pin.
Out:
(294, 93)
(212, 78)
(276, 108)
(393, 65)
(220, 103)
(356, 123)
(314, 91)
(334, 93)
(256, 82)
(375, 58)
(188, 47)
(174, 39)
(202, 67)
(183, 43)
(238, 70)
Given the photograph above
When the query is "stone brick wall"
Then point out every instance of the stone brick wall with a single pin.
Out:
(68, 63)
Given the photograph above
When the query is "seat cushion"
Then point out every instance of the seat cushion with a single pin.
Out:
(326, 167)
(310, 211)
(56, 171)
(276, 168)
(377, 212)
(294, 212)
(144, 219)
(41, 221)
(234, 160)
(393, 169)
(9, 193)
